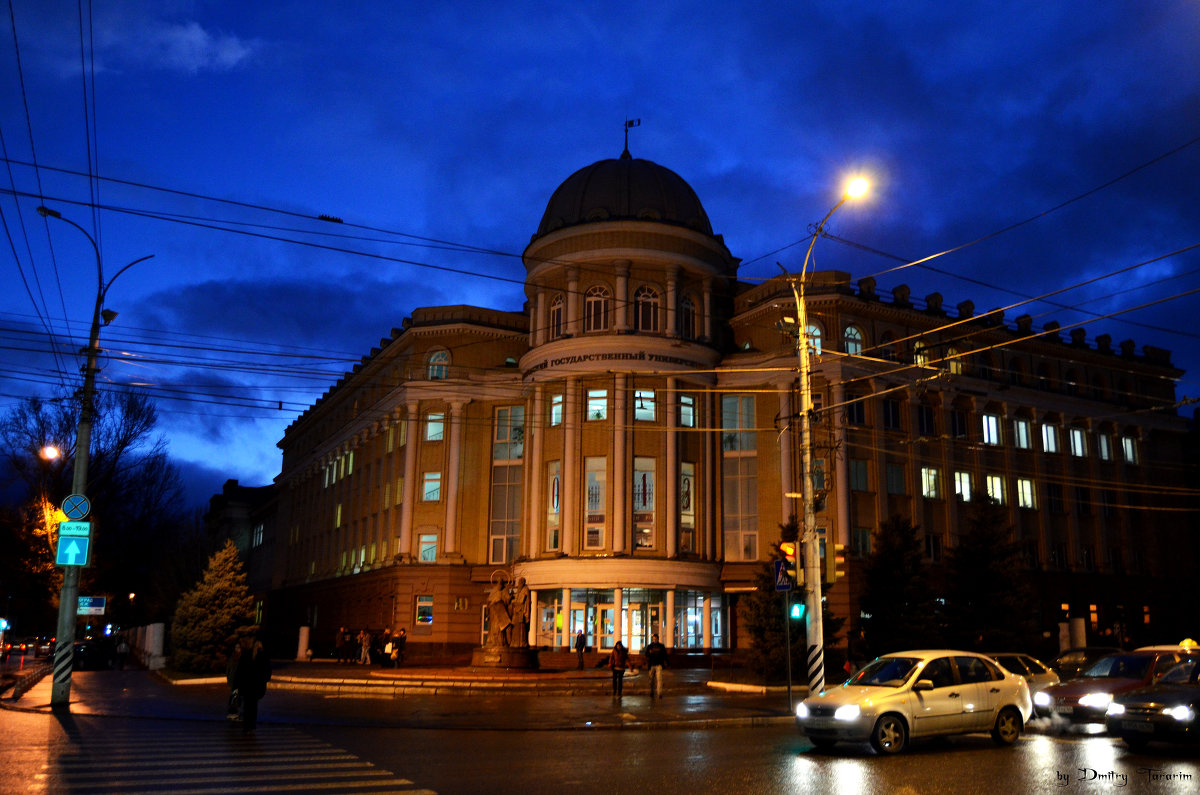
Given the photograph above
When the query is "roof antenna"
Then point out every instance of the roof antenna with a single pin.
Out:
(629, 123)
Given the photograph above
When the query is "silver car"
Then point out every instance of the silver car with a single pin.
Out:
(1036, 673)
(913, 694)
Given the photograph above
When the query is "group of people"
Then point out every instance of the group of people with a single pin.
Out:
(618, 661)
(365, 648)
(248, 671)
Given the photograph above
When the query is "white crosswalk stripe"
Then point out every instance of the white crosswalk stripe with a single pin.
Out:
(207, 758)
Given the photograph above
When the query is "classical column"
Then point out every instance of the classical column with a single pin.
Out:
(538, 331)
(621, 299)
(620, 483)
(669, 640)
(618, 624)
(535, 466)
(672, 287)
(411, 476)
(572, 506)
(672, 456)
(711, 420)
(535, 616)
(450, 544)
(573, 326)
(707, 619)
(787, 481)
(568, 631)
(708, 315)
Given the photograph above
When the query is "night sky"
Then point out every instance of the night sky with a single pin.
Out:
(1043, 145)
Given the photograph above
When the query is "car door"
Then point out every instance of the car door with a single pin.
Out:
(981, 687)
(939, 710)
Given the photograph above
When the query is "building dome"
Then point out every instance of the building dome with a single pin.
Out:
(625, 189)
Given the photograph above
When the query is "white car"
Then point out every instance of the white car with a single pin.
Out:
(913, 694)
(1036, 673)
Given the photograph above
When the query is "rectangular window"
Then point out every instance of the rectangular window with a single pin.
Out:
(1021, 438)
(737, 423)
(556, 410)
(855, 414)
(963, 486)
(933, 547)
(431, 487)
(400, 490)
(1050, 438)
(553, 503)
(435, 425)
(504, 528)
(427, 544)
(687, 411)
(391, 438)
(643, 405)
(818, 474)
(991, 429)
(1104, 446)
(1078, 442)
(643, 502)
(891, 414)
(739, 480)
(931, 483)
(925, 421)
(958, 424)
(687, 507)
(995, 488)
(508, 444)
(337, 517)
(403, 430)
(597, 404)
(860, 542)
(424, 616)
(1129, 449)
(1026, 497)
(895, 479)
(256, 539)
(596, 469)
(858, 475)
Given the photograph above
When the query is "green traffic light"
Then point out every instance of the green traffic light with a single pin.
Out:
(798, 610)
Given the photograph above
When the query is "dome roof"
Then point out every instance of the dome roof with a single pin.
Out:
(625, 189)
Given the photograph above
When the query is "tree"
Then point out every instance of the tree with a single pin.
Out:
(899, 603)
(989, 601)
(209, 617)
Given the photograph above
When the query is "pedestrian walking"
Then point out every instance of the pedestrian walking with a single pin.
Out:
(250, 677)
(364, 643)
(122, 652)
(233, 711)
(580, 646)
(618, 660)
(656, 660)
(341, 645)
(398, 644)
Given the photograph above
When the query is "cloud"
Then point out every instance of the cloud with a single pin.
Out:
(190, 48)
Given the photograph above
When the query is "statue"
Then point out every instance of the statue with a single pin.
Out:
(518, 633)
(499, 617)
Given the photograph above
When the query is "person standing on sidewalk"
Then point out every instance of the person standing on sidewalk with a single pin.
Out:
(250, 677)
(618, 661)
(580, 645)
(656, 659)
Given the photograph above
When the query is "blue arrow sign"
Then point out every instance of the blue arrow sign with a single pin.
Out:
(73, 550)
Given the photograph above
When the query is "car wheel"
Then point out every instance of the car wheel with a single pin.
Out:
(1008, 727)
(890, 735)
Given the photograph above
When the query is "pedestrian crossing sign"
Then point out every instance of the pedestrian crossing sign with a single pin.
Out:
(783, 582)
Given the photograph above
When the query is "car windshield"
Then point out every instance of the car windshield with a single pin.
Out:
(1182, 674)
(885, 672)
(1121, 666)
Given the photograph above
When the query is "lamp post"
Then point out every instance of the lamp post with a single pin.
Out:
(815, 662)
(68, 604)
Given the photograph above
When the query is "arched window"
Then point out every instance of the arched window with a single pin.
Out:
(920, 355)
(645, 309)
(557, 307)
(439, 365)
(814, 339)
(852, 341)
(595, 309)
(953, 362)
(687, 318)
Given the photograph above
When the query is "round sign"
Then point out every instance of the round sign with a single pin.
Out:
(76, 506)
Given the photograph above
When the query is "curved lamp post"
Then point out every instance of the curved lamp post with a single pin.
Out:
(812, 564)
(60, 694)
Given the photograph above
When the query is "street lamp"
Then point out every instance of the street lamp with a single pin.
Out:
(812, 565)
(68, 605)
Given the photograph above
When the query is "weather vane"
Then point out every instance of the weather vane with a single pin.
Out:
(630, 123)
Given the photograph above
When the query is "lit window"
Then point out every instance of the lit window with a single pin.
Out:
(1078, 442)
(435, 425)
(556, 409)
(596, 480)
(337, 517)
(852, 341)
(920, 356)
(553, 503)
(643, 502)
(431, 487)
(439, 365)
(991, 429)
(595, 309)
(953, 361)
(995, 488)
(1129, 449)
(1025, 494)
(814, 339)
(1050, 438)
(597, 404)
(963, 486)
(424, 610)
(931, 483)
(1021, 434)
(643, 404)
(509, 441)
(687, 411)
(1104, 446)
(427, 548)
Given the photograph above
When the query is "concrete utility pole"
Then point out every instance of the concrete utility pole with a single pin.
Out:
(68, 605)
(812, 558)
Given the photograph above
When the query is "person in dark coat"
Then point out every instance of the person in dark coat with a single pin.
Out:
(656, 660)
(618, 661)
(580, 645)
(250, 677)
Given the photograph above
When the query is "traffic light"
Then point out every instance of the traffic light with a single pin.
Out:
(835, 564)
(797, 612)
(788, 548)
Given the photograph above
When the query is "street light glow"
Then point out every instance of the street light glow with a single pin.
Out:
(49, 453)
(857, 187)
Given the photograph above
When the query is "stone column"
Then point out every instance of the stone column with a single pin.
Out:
(450, 542)
(572, 507)
(535, 619)
(707, 619)
(672, 329)
(708, 318)
(620, 484)
(535, 470)
(411, 476)
(621, 299)
(671, 520)
(571, 322)
(538, 332)
(669, 640)
(568, 631)
(618, 624)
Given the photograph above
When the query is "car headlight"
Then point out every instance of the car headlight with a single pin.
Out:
(1182, 713)
(848, 712)
(1096, 700)
(801, 710)
(1042, 699)
(1115, 709)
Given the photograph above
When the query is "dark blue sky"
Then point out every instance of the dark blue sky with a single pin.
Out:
(455, 122)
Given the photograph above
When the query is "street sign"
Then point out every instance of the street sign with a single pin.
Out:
(73, 551)
(75, 528)
(782, 581)
(76, 506)
(92, 605)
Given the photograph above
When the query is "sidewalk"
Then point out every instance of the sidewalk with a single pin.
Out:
(428, 698)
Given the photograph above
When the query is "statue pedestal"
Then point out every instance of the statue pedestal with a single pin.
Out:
(504, 657)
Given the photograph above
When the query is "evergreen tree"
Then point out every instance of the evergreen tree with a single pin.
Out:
(989, 601)
(209, 617)
(899, 603)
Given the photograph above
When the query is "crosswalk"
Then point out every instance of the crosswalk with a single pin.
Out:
(208, 758)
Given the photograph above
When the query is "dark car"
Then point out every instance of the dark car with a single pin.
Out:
(1086, 699)
(1073, 662)
(95, 654)
(1168, 711)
